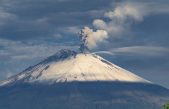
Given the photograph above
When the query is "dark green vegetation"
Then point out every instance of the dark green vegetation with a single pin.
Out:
(166, 106)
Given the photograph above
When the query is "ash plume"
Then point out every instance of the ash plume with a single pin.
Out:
(120, 20)
(90, 38)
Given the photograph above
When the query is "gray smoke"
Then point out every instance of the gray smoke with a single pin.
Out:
(90, 38)
(120, 18)
(118, 24)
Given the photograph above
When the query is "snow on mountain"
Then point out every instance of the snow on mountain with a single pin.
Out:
(74, 80)
(68, 66)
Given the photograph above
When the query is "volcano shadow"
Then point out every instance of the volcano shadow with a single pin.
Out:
(83, 95)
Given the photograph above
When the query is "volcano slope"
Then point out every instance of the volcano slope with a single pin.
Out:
(71, 80)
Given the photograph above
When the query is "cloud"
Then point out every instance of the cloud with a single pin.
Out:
(119, 21)
(120, 18)
(155, 7)
(6, 17)
(42, 18)
(143, 50)
(126, 10)
(17, 50)
(155, 51)
(69, 30)
(30, 20)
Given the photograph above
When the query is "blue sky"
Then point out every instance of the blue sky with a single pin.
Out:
(33, 30)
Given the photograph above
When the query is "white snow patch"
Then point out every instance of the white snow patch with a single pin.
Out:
(82, 67)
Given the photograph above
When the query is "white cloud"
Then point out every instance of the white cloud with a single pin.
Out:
(100, 24)
(5, 16)
(69, 29)
(125, 11)
(154, 51)
(16, 50)
(120, 18)
(155, 7)
(72, 29)
(118, 21)
(143, 50)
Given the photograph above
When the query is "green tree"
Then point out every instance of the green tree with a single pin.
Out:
(166, 106)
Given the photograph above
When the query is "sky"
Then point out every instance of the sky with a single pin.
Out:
(137, 37)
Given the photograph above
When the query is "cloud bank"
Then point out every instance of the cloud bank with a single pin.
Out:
(146, 51)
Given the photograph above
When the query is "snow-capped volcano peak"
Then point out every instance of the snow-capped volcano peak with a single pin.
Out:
(68, 66)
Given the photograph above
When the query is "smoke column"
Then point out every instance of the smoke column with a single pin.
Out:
(90, 38)
(119, 22)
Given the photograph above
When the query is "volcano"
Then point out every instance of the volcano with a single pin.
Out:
(75, 80)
